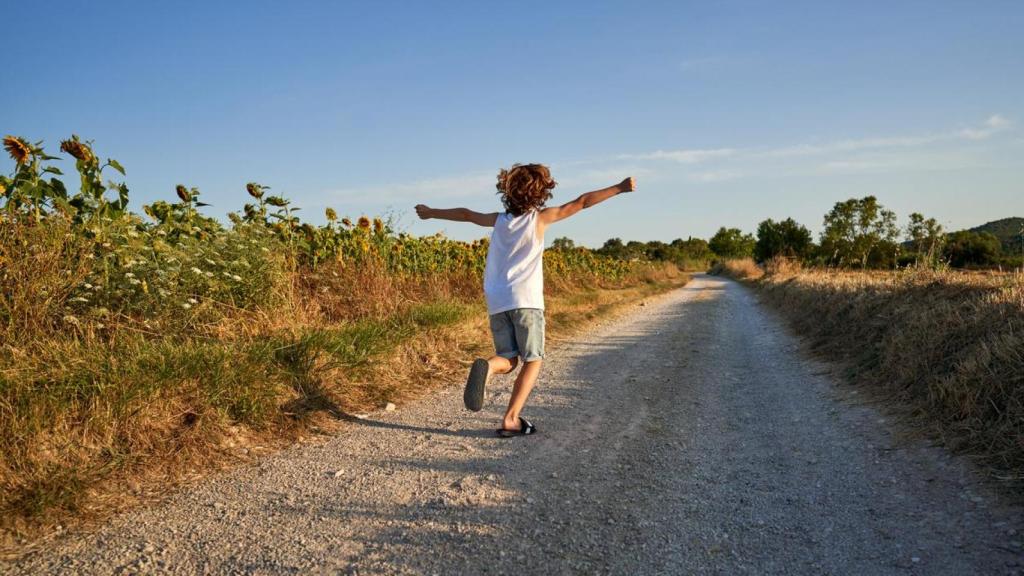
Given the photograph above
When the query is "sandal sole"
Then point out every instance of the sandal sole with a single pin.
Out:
(473, 397)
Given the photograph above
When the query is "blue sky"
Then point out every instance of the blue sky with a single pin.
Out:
(726, 112)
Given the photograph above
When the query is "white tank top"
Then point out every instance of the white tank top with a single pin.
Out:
(514, 275)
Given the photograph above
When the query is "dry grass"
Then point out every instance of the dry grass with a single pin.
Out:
(948, 345)
(739, 269)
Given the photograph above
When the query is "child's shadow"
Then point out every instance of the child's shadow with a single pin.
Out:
(393, 426)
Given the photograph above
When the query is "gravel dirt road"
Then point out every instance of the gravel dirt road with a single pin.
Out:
(690, 436)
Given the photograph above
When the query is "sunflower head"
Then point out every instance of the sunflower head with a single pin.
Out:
(364, 222)
(378, 225)
(183, 193)
(254, 190)
(18, 149)
(346, 222)
(77, 149)
(331, 214)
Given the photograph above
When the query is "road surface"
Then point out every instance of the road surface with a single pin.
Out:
(691, 435)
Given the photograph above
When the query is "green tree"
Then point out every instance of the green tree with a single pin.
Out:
(693, 249)
(563, 243)
(858, 230)
(786, 238)
(612, 247)
(731, 243)
(926, 237)
(966, 248)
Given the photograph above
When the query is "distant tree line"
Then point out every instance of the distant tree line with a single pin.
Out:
(861, 233)
(692, 253)
(856, 233)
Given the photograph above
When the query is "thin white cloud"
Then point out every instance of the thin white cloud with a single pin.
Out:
(684, 156)
(856, 165)
(459, 186)
(996, 123)
(870, 154)
(595, 178)
(714, 176)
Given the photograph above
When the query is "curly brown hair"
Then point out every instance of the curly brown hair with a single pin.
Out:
(525, 187)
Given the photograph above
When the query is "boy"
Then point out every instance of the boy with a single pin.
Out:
(514, 280)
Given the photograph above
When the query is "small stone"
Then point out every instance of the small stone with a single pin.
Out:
(530, 500)
(492, 478)
(915, 559)
(554, 474)
(339, 473)
(390, 407)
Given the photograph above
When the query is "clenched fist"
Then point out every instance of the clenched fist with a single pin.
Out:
(628, 185)
(422, 211)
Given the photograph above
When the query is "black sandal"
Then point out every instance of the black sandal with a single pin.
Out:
(473, 397)
(525, 429)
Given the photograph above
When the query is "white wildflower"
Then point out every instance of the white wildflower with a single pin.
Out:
(130, 274)
(208, 274)
(236, 278)
(193, 301)
(197, 270)
(186, 305)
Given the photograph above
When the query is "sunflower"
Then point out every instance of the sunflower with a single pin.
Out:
(17, 148)
(346, 222)
(378, 225)
(331, 214)
(77, 149)
(364, 222)
(183, 193)
(254, 190)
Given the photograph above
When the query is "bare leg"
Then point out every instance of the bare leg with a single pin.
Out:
(501, 365)
(520, 391)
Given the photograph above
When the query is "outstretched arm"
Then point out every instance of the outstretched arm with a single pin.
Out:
(556, 213)
(456, 215)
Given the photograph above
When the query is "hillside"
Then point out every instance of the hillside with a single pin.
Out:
(1008, 231)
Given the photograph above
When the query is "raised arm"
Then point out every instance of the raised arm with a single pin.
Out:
(556, 213)
(457, 215)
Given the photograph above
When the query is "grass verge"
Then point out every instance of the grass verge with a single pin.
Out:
(947, 346)
(106, 425)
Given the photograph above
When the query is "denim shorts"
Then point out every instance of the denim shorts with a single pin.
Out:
(519, 332)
